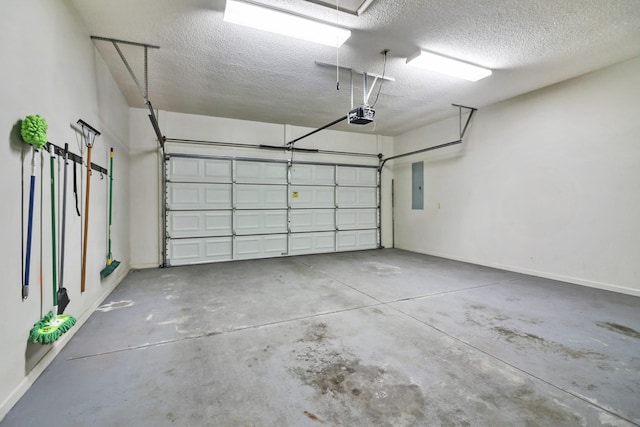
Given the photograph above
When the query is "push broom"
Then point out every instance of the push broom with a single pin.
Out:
(112, 264)
(51, 327)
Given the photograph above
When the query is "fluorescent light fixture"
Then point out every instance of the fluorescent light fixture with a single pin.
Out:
(275, 21)
(448, 66)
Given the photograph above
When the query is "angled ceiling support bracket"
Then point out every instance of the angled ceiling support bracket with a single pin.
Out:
(144, 90)
(472, 110)
(142, 87)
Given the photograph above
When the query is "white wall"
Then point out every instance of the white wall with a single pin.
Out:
(547, 183)
(146, 227)
(50, 67)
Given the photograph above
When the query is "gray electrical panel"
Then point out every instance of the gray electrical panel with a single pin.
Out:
(417, 185)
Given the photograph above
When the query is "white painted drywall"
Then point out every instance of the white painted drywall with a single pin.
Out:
(50, 67)
(547, 183)
(146, 227)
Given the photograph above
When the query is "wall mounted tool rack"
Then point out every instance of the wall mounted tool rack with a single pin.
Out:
(75, 158)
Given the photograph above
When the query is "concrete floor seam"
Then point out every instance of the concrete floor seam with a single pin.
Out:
(569, 392)
(499, 282)
(436, 294)
(340, 281)
(215, 333)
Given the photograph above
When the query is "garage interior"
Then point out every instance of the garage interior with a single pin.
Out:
(323, 234)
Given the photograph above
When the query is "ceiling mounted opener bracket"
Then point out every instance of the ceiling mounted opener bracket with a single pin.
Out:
(365, 76)
(360, 110)
(143, 88)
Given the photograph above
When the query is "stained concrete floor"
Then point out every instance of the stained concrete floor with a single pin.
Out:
(374, 338)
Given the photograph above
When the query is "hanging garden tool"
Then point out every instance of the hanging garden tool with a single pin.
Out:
(112, 264)
(63, 297)
(89, 134)
(52, 326)
(34, 132)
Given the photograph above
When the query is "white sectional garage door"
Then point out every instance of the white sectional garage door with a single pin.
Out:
(220, 209)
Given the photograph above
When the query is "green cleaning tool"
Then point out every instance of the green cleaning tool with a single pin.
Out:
(112, 264)
(51, 326)
(34, 132)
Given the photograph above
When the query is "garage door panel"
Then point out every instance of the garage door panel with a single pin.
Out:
(304, 174)
(197, 251)
(312, 243)
(357, 176)
(266, 246)
(198, 223)
(357, 240)
(260, 172)
(182, 169)
(222, 209)
(260, 222)
(198, 196)
(303, 220)
(312, 197)
(248, 196)
(357, 197)
(352, 219)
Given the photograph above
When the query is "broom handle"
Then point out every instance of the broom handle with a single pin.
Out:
(110, 201)
(53, 227)
(86, 221)
(32, 185)
(64, 215)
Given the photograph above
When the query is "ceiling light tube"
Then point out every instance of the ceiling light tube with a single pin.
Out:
(448, 66)
(275, 21)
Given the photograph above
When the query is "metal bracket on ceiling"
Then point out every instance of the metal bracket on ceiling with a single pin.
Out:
(144, 90)
(472, 110)
(365, 75)
(326, 64)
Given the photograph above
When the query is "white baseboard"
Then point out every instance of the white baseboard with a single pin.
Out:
(144, 266)
(56, 348)
(544, 274)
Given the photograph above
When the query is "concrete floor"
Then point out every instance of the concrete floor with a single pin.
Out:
(374, 338)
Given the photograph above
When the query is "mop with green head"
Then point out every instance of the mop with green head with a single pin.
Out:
(51, 327)
(112, 264)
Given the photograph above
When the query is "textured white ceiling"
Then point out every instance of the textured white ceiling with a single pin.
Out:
(210, 67)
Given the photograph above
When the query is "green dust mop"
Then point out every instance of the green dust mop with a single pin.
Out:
(34, 132)
(51, 326)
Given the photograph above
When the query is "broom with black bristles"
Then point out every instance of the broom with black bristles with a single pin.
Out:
(54, 324)
(112, 264)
